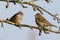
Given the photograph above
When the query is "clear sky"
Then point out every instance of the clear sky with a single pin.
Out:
(11, 32)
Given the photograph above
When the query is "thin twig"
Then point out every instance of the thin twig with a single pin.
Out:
(40, 8)
(36, 6)
(58, 19)
(2, 24)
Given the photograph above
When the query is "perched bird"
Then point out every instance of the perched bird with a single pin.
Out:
(42, 23)
(17, 18)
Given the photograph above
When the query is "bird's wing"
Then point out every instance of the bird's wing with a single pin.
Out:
(43, 20)
(13, 18)
(38, 21)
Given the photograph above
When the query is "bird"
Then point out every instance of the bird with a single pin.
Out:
(42, 23)
(17, 18)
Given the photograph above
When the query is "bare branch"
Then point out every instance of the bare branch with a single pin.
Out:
(29, 26)
(40, 8)
(58, 19)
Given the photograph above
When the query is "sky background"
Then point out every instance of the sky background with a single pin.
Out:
(11, 32)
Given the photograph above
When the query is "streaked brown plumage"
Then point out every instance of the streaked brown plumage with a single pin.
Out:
(42, 22)
(17, 18)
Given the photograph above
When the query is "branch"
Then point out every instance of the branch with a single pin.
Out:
(36, 7)
(40, 9)
(29, 26)
(58, 19)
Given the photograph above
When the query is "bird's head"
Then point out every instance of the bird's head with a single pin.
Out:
(20, 13)
(38, 15)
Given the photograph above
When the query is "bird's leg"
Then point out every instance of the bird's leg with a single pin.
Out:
(45, 31)
(40, 31)
(43, 28)
(20, 26)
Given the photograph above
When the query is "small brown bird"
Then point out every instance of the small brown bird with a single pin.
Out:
(42, 23)
(17, 18)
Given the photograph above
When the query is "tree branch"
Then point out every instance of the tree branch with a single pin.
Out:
(40, 8)
(29, 26)
(36, 7)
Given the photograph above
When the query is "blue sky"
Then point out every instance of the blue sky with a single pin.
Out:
(11, 32)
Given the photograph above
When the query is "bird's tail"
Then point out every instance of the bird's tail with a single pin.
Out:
(53, 25)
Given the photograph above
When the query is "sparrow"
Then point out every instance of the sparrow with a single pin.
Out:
(42, 23)
(17, 18)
